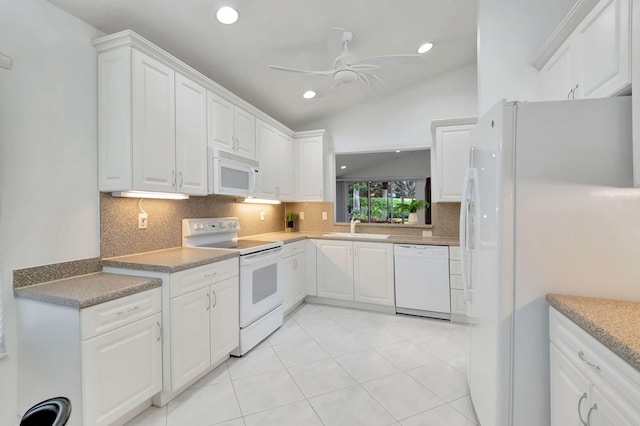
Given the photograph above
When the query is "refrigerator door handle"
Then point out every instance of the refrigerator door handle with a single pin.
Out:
(467, 211)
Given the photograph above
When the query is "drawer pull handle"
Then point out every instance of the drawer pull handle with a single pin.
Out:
(159, 331)
(583, 397)
(211, 275)
(593, 408)
(126, 311)
(583, 358)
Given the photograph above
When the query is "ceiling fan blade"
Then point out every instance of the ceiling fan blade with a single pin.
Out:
(374, 82)
(307, 72)
(391, 60)
(363, 67)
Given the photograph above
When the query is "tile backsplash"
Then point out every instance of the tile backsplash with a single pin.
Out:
(120, 234)
(119, 221)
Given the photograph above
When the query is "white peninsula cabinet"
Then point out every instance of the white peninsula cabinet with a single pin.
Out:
(450, 157)
(230, 127)
(595, 59)
(152, 130)
(355, 271)
(278, 157)
(200, 308)
(106, 358)
(590, 385)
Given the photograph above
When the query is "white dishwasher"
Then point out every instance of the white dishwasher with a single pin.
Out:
(422, 280)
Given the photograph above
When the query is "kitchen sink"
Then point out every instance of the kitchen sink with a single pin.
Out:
(357, 235)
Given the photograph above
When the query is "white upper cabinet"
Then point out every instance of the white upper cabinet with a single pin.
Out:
(230, 127)
(191, 136)
(595, 60)
(450, 157)
(152, 126)
(313, 178)
(277, 157)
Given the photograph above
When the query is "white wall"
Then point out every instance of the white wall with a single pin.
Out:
(403, 120)
(510, 34)
(49, 203)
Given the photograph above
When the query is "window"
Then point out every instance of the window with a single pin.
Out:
(379, 201)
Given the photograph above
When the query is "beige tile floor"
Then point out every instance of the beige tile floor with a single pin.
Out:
(335, 366)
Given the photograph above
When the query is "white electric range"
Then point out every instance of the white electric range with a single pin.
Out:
(261, 292)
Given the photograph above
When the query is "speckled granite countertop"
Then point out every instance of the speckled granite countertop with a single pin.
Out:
(170, 260)
(288, 237)
(614, 323)
(87, 290)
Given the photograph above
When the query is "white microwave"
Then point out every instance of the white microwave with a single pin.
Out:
(232, 174)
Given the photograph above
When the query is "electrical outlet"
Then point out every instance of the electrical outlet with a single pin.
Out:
(261, 215)
(301, 215)
(324, 215)
(143, 219)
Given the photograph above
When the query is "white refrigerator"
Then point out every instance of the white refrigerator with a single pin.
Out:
(548, 207)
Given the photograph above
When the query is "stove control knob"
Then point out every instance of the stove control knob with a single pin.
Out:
(223, 225)
(194, 226)
(201, 226)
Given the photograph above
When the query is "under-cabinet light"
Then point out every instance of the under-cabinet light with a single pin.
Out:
(142, 194)
(252, 200)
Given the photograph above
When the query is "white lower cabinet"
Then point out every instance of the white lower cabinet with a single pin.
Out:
(107, 358)
(355, 271)
(201, 309)
(590, 385)
(294, 275)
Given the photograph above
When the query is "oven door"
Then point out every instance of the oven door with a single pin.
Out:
(260, 284)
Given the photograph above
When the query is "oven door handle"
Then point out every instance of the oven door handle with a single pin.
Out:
(251, 259)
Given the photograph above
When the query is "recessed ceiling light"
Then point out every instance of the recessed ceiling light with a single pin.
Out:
(425, 48)
(343, 167)
(227, 15)
(309, 94)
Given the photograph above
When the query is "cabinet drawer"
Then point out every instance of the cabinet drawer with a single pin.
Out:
(293, 248)
(455, 268)
(107, 316)
(203, 276)
(591, 357)
(455, 282)
(458, 302)
(454, 253)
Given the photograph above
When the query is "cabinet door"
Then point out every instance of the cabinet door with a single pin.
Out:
(569, 391)
(244, 130)
(121, 369)
(557, 76)
(609, 408)
(219, 122)
(310, 166)
(225, 318)
(603, 43)
(299, 274)
(190, 336)
(373, 276)
(268, 157)
(191, 136)
(452, 159)
(288, 283)
(335, 269)
(287, 160)
(154, 131)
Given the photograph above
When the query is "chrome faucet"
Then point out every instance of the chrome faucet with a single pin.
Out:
(353, 223)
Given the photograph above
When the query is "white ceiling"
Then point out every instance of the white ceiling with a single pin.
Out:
(293, 33)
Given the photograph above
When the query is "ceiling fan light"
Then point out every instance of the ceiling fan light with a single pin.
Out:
(227, 15)
(309, 94)
(425, 48)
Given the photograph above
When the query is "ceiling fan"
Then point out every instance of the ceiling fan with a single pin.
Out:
(347, 68)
